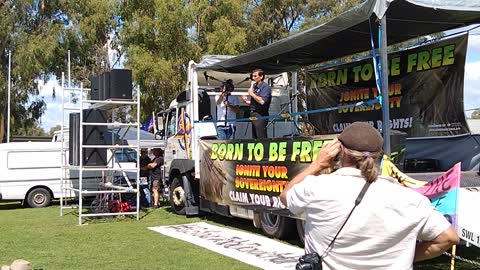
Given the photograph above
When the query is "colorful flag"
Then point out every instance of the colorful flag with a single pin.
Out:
(442, 191)
(148, 124)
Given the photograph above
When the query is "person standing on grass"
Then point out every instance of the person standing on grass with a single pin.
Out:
(144, 174)
(156, 174)
(392, 226)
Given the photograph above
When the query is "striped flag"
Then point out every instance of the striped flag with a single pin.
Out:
(442, 191)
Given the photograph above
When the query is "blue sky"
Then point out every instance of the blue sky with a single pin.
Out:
(472, 73)
(53, 115)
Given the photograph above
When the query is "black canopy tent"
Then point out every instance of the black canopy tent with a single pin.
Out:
(351, 33)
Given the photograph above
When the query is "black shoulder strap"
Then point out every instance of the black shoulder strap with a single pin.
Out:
(357, 202)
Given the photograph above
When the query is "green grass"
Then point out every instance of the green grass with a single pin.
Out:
(49, 241)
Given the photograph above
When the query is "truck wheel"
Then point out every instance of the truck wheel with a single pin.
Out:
(39, 197)
(301, 230)
(177, 196)
(276, 226)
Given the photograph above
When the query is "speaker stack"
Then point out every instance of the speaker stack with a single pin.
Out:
(92, 135)
(120, 84)
(95, 88)
(115, 84)
(74, 139)
(104, 86)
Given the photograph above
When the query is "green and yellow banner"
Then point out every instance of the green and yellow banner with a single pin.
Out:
(253, 173)
(425, 91)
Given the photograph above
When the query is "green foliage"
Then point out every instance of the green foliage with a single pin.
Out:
(87, 37)
(33, 129)
(53, 129)
(157, 47)
(219, 25)
(39, 33)
(156, 38)
(318, 12)
(225, 38)
(476, 114)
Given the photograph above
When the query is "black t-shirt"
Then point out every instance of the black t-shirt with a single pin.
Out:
(156, 173)
(143, 163)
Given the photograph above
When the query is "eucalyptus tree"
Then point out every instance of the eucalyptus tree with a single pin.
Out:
(156, 45)
(219, 27)
(38, 33)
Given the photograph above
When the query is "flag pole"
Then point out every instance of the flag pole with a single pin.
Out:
(452, 259)
(154, 124)
(8, 94)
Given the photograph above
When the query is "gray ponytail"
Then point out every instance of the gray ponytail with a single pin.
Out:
(366, 162)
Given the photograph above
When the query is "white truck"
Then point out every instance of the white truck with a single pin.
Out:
(189, 122)
(199, 170)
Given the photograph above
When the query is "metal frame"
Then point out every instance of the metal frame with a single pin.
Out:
(69, 192)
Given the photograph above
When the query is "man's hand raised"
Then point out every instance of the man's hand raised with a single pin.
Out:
(325, 156)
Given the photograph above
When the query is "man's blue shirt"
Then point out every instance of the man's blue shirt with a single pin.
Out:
(264, 91)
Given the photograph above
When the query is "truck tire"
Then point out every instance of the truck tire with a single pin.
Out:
(39, 197)
(301, 230)
(276, 226)
(177, 196)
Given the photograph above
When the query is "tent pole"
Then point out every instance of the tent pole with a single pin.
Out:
(384, 79)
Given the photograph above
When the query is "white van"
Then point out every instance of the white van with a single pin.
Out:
(30, 171)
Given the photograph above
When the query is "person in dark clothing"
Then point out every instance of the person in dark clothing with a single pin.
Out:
(156, 174)
(260, 97)
(144, 175)
(227, 107)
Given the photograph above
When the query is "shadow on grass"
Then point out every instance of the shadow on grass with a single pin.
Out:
(144, 212)
(11, 205)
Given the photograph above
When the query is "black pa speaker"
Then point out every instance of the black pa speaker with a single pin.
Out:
(94, 135)
(120, 84)
(104, 86)
(95, 88)
(74, 139)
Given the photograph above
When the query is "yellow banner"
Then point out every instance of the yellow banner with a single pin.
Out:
(389, 169)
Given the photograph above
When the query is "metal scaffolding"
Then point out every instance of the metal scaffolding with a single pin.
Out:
(82, 182)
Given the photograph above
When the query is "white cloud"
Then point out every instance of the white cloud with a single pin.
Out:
(53, 112)
(472, 71)
(474, 40)
(472, 91)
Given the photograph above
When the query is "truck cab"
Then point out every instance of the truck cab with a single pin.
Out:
(191, 118)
